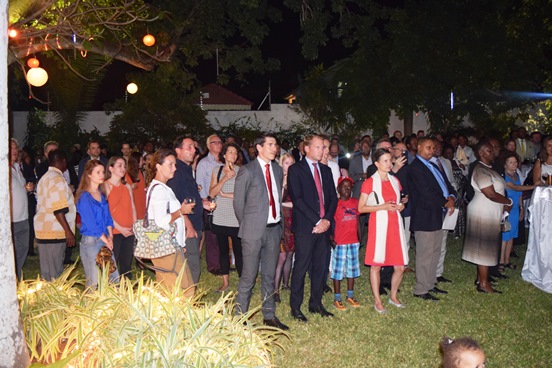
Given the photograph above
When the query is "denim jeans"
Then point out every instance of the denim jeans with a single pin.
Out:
(89, 248)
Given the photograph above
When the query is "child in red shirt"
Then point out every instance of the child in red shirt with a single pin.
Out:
(345, 253)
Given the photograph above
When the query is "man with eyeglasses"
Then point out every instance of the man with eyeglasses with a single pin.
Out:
(204, 171)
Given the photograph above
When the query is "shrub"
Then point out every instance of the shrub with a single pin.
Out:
(137, 324)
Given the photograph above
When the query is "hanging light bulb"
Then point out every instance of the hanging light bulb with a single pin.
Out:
(148, 40)
(132, 88)
(37, 77)
(12, 33)
(33, 63)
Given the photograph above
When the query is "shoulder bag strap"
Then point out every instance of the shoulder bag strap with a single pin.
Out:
(146, 222)
(219, 173)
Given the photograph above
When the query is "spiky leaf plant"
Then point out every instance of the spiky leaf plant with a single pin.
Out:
(137, 324)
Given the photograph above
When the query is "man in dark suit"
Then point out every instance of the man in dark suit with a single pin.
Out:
(431, 197)
(297, 152)
(258, 208)
(93, 151)
(312, 191)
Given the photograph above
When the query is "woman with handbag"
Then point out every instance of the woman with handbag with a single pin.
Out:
(163, 207)
(122, 210)
(380, 196)
(225, 224)
(96, 222)
(514, 191)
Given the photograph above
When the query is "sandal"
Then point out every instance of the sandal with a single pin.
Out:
(510, 266)
(501, 267)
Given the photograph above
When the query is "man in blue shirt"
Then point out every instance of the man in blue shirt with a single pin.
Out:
(184, 186)
(431, 197)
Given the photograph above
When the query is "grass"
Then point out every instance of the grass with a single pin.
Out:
(513, 328)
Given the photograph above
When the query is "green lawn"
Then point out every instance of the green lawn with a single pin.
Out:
(513, 328)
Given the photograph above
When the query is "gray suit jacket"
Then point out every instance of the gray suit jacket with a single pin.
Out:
(355, 172)
(251, 201)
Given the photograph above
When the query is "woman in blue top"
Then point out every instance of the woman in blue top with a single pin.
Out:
(513, 191)
(97, 224)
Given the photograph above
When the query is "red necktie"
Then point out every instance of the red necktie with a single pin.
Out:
(269, 185)
(318, 185)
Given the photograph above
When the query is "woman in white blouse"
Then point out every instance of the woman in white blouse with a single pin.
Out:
(164, 208)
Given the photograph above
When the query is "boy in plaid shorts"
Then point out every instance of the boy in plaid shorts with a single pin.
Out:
(345, 244)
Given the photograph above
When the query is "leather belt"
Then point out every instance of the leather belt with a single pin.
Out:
(273, 225)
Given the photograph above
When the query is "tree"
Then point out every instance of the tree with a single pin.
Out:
(410, 55)
(163, 108)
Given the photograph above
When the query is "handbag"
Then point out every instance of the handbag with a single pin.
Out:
(151, 241)
(505, 225)
(373, 199)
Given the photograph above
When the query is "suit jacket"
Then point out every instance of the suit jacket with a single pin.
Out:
(306, 205)
(355, 172)
(297, 155)
(251, 200)
(426, 198)
(529, 149)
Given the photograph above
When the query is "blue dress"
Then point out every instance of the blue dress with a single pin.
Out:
(514, 195)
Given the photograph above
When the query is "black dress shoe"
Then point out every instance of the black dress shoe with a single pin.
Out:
(321, 310)
(326, 288)
(426, 296)
(443, 279)
(436, 290)
(275, 322)
(297, 314)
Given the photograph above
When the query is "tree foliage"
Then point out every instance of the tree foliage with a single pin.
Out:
(188, 33)
(410, 55)
(163, 107)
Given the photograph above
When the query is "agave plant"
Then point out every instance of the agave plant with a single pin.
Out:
(137, 324)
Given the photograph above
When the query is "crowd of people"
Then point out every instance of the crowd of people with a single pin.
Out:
(284, 212)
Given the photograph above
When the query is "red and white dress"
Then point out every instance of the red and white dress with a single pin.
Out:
(386, 241)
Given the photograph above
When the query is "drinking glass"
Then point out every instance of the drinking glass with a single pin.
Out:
(188, 201)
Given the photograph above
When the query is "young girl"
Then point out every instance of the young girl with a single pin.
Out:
(97, 224)
(123, 212)
(462, 353)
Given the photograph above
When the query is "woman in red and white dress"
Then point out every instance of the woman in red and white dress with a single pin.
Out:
(381, 197)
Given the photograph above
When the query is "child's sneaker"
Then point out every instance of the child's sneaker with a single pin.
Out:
(353, 302)
(338, 304)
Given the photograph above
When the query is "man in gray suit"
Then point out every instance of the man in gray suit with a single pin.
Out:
(258, 208)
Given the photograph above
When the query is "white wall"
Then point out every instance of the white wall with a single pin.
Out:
(281, 116)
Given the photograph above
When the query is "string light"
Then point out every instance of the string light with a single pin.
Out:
(148, 40)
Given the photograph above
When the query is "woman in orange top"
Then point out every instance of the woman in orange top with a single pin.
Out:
(135, 178)
(121, 206)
